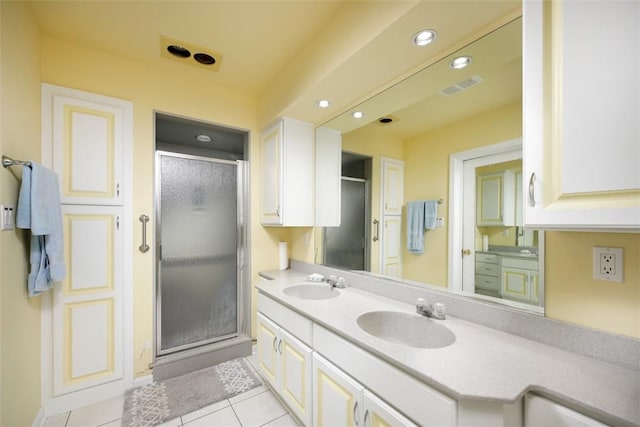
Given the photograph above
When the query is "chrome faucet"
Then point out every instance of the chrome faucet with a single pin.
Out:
(336, 282)
(436, 311)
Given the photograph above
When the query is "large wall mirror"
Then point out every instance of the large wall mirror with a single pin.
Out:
(447, 142)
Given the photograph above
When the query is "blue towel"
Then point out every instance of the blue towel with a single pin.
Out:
(421, 216)
(415, 227)
(430, 214)
(39, 210)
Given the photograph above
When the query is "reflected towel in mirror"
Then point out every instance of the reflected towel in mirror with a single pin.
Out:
(421, 216)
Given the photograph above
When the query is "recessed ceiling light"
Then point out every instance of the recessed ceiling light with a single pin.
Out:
(424, 37)
(203, 138)
(323, 103)
(204, 58)
(179, 51)
(358, 114)
(460, 62)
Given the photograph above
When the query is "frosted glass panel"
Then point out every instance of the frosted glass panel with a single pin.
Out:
(345, 245)
(198, 269)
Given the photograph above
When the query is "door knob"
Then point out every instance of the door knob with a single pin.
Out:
(466, 252)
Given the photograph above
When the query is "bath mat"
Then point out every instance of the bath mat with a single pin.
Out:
(157, 402)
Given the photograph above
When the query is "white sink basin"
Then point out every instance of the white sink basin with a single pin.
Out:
(307, 291)
(412, 330)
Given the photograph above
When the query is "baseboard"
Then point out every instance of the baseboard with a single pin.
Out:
(142, 381)
(40, 418)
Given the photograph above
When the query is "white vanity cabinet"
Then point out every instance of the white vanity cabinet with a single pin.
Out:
(520, 279)
(287, 154)
(541, 412)
(495, 204)
(487, 274)
(581, 114)
(284, 360)
(339, 400)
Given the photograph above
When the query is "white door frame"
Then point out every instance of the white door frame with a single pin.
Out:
(457, 201)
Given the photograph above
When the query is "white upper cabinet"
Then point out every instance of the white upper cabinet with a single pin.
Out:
(328, 172)
(287, 174)
(582, 114)
(87, 134)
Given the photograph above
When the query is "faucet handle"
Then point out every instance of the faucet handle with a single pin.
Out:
(340, 282)
(440, 310)
(421, 302)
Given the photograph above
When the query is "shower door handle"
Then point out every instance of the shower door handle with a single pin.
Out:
(376, 224)
(144, 219)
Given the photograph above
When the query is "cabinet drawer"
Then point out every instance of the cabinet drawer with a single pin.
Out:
(523, 263)
(295, 323)
(491, 283)
(489, 258)
(487, 269)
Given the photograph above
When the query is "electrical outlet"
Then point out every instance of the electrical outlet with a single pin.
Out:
(7, 217)
(608, 264)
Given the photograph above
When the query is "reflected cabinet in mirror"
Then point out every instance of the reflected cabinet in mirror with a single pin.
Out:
(432, 185)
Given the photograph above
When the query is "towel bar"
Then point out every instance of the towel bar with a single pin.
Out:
(8, 161)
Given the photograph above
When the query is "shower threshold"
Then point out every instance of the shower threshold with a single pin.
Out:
(197, 358)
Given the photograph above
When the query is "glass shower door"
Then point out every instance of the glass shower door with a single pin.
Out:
(345, 246)
(197, 259)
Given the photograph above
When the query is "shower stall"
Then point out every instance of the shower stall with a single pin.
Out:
(202, 300)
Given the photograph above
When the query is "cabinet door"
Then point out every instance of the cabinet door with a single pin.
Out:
(88, 133)
(378, 414)
(295, 376)
(495, 199)
(392, 186)
(328, 172)
(337, 397)
(267, 337)
(271, 149)
(581, 134)
(87, 310)
(392, 246)
(515, 283)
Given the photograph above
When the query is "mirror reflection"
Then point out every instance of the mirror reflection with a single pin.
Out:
(400, 152)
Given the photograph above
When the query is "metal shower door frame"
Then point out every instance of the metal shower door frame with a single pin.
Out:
(242, 171)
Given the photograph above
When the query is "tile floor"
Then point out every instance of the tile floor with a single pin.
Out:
(257, 407)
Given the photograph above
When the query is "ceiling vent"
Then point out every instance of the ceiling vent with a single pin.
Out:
(189, 53)
(462, 85)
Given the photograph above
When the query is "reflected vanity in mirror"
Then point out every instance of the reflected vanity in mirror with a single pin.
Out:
(451, 134)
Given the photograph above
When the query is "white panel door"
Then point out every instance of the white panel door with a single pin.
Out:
(378, 414)
(271, 148)
(392, 186)
(88, 134)
(267, 337)
(337, 397)
(87, 306)
(392, 246)
(295, 375)
(87, 322)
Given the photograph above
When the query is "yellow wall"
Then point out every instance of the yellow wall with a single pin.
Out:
(19, 138)
(572, 295)
(427, 176)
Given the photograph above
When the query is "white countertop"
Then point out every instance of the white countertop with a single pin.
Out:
(482, 363)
